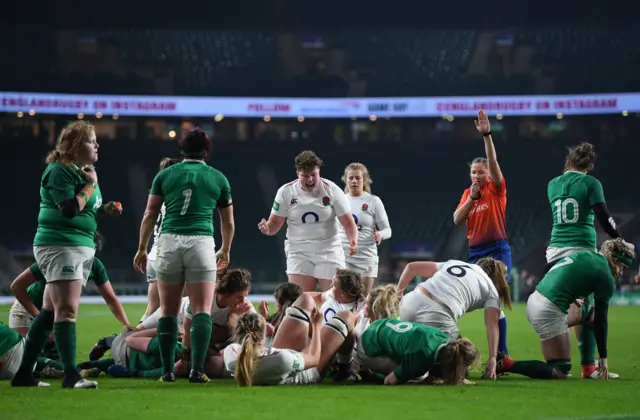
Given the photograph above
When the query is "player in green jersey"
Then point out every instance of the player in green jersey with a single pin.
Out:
(416, 349)
(133, 354)
(29, 287)
(153, 299)
(191, 191)
(11, 350)
(580, 274)
(576, 198)
(64, 248)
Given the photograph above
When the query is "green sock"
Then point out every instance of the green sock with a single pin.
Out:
(533, 368)
(103, 364)
(200, 336)
(65, 336)
(587, 345)
(168, 339)
(37, 337)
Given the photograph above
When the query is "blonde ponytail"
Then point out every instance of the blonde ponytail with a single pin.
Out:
(384, 301)
(456, 359)
(497, 272)
(249, 331)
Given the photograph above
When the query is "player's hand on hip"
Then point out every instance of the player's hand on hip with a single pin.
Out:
(89, 173)
(113, 208)
(490, 369)
(482, 123)
(263, 226)
(603, 369)
(140, 261)
(353, 248)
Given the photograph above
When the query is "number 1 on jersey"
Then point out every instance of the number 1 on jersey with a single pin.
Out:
(187, 199)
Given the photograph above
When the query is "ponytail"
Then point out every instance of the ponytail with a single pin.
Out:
(497, 272)
(456, 359)
(249, 331)
(247, 357)
(384, 301)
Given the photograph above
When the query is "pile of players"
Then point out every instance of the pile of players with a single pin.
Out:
(332, 239)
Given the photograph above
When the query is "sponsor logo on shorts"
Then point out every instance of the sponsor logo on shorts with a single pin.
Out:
(276, 206)
(68, 269)
(297, 363)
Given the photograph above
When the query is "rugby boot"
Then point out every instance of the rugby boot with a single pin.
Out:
(168, 377)
(198, 377)
(28, 381)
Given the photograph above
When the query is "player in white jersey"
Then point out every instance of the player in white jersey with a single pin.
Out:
(452, 289)
(312, 207)
(347, 293)
(153, 300)
(294, 358)
(232, 289)
(371, 219)
(381, 302)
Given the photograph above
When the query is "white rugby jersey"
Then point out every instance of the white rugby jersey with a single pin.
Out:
(312, 218)
(331, 307)
(156, 233)
(368, 212)
(219, 316)
(152, 321)
(274, 367)
(462, 287)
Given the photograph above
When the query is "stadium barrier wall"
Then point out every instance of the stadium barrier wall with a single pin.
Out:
(182, 106)
(7, 300)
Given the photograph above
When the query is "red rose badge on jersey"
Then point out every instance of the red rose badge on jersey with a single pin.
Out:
(365, 207)
(326, 201)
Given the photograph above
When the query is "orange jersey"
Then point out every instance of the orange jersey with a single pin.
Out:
(487, 221)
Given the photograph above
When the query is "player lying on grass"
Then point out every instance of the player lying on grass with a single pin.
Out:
(347, 293)
(133, 354)
(572, 278)
(452, 289)
(28, 289)
(294, 359)
(11, 351)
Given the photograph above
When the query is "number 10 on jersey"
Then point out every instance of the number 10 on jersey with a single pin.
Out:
(562, 210)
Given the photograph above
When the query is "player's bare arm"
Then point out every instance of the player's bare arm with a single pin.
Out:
(484, 127)
(19, 289)
(491, 317)
(425, 269)
(272, 226)
(154, 204)
(227, 232)
(351, 230)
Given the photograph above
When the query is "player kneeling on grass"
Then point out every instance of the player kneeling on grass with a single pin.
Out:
(570, 279)
(294, 359)
(416, 349)
(133, 354)
(453, 289)
(11, 351)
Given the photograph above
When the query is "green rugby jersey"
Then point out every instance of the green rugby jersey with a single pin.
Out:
(413, 346)
(139, 361)
(60, 183)
(578, 276)
(98, 275)
(8, 339)
(191, 190)
(572, 196)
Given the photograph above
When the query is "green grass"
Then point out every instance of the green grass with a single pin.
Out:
(511, 397)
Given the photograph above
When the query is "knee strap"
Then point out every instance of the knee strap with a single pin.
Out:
(338, 325)
(297, 313)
